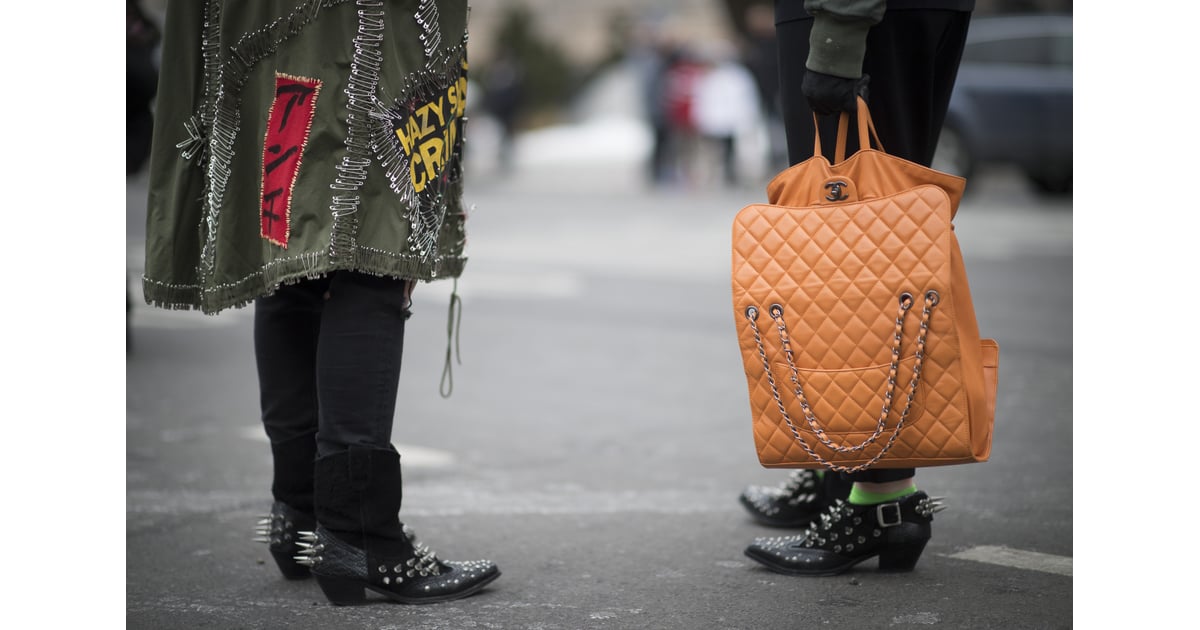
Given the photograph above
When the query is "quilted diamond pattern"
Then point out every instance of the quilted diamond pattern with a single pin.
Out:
(838, 271)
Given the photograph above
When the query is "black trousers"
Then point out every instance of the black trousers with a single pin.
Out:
(328, 355)
(912, 59)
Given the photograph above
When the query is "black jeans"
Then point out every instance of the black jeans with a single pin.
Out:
(328, 353)
(912, 59)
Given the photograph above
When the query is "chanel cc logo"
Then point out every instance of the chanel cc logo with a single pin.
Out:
(836, 192)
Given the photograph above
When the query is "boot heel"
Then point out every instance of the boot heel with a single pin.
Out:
(901, 556)
(288, 566)
(342, 591)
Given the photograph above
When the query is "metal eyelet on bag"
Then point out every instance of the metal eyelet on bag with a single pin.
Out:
(906, 300)
(776, 311)
(752, 313)
(933, 297)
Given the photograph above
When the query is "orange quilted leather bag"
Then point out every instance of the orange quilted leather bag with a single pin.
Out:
(855, 321)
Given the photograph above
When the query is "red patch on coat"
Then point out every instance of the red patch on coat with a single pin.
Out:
(288, 124)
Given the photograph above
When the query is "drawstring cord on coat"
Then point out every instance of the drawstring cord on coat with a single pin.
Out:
(453, 323)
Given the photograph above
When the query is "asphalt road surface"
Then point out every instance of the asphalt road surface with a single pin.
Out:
(599, 434)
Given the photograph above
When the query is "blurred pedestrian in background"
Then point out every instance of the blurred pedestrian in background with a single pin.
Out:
(762, 59)
(142, 37)
(908, 51)
(726, 107)
(141, 82)
(650, 57)
(680, 80)
(307, 159)
(503, 94)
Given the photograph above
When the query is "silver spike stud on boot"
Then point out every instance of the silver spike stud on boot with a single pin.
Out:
(930, 505)
(280, 531)
(310, 549)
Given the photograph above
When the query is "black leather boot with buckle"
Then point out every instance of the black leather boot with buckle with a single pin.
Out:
(796, 502)
(360, 544)
(848, 534)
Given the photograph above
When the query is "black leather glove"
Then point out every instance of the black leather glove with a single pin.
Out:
(828, 94)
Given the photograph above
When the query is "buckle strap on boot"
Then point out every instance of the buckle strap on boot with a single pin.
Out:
(881, 514)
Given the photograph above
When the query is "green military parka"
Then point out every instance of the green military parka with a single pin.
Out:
(294, 138)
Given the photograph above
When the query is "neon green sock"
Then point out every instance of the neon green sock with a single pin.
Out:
(862, 497)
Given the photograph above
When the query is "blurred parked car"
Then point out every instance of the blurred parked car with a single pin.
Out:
(1012, 101)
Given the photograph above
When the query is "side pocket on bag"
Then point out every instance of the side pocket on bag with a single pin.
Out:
(991, 380)
(847, 403)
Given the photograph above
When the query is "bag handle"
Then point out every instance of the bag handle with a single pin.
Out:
(866, 132)
(906, 302)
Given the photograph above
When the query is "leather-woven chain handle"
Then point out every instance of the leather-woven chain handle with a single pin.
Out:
(866, 132)
(776, 312)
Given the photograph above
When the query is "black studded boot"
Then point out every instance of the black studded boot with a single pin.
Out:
(360, 544)
(847, 534)
(292, 510)
(280, 529)
(796, 502)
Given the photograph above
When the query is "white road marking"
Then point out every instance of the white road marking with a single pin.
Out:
(1016, 558)
(920, 618)
(410, 456)
(423, 457)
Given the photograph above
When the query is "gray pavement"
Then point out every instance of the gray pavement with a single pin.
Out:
(598, 434)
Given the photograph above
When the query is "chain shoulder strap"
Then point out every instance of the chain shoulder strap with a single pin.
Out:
(776, 313)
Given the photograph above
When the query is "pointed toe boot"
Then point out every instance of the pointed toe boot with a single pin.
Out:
(360, 545)
(847, 534)
(409, 574)
(796, 502)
